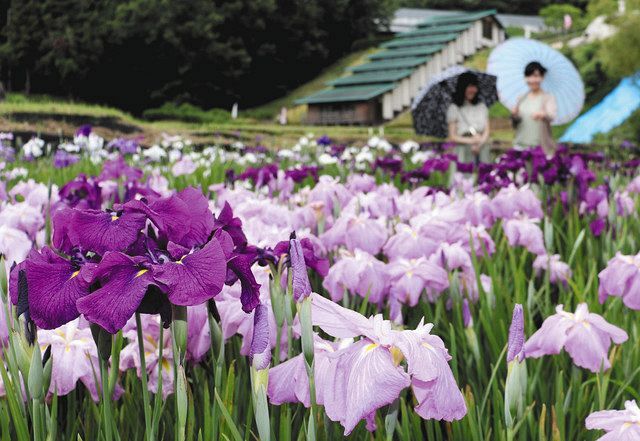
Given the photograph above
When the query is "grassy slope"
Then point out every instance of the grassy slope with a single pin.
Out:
(272, 109)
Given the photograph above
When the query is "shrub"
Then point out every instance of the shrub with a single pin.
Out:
(186, 112)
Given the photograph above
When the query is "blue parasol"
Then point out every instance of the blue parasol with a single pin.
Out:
(508, 60)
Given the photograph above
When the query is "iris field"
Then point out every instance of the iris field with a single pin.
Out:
(314, 292)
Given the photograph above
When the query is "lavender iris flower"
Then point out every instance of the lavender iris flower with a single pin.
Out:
(409, 278)
(559, 272)
(74, 357)
(525, 232)
(354, 381)
(619, 425)
(585, 336)
(621, 278)
(130, 355)
(361, 273)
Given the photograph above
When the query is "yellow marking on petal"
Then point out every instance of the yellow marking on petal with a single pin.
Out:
(141, 272)
(75, 273)
(67, 348)
(370, 347)
(626, 425)
(165, 364)
(427, 345)
(114, 218)
(397, 356)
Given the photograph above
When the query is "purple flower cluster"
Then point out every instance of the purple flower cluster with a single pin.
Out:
(140, 256)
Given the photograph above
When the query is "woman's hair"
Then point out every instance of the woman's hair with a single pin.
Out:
(464, 80)
(534, 67)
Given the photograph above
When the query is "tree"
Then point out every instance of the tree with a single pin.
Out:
(141, 53)
(554, 14)
(620, 54)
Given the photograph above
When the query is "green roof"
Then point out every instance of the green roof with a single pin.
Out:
(385, 76)
(420, 41)
(435, 30)
(399, 59)
(462, 17)
(345, 94)
(392, 63)
(414, 51)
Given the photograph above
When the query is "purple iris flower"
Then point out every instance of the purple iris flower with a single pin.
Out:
(117, 169)
(324, 140)
(389, 164)
(54, 285)
(300, 173)
(232, 225)
(81, 192)
(178, 260)
(64, 159)
(319, 264)
(183, 218)
(7, 152)
(84, 130)
(97, 231)
(597, 226)
(126, 146)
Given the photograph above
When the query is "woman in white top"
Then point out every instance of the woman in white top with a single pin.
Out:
(468, 120)
(534, 112)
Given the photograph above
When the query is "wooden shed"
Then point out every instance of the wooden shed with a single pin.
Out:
(385, 85)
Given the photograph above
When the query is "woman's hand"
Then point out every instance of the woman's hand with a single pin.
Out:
(539, 115)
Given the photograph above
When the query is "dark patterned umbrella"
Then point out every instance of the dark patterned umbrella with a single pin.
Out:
(429, 108)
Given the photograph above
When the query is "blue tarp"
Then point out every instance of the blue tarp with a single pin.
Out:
(612, 111)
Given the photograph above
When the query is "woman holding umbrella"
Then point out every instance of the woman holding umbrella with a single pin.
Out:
(468, 120)
(534, 111)
(550, 92)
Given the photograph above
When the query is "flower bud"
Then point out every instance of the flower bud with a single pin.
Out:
(260, 351)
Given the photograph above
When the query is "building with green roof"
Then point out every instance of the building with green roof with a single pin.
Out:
(383, 86)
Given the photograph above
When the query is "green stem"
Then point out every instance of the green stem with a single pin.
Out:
(106, 402)
(143, 376)
(37, 421)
